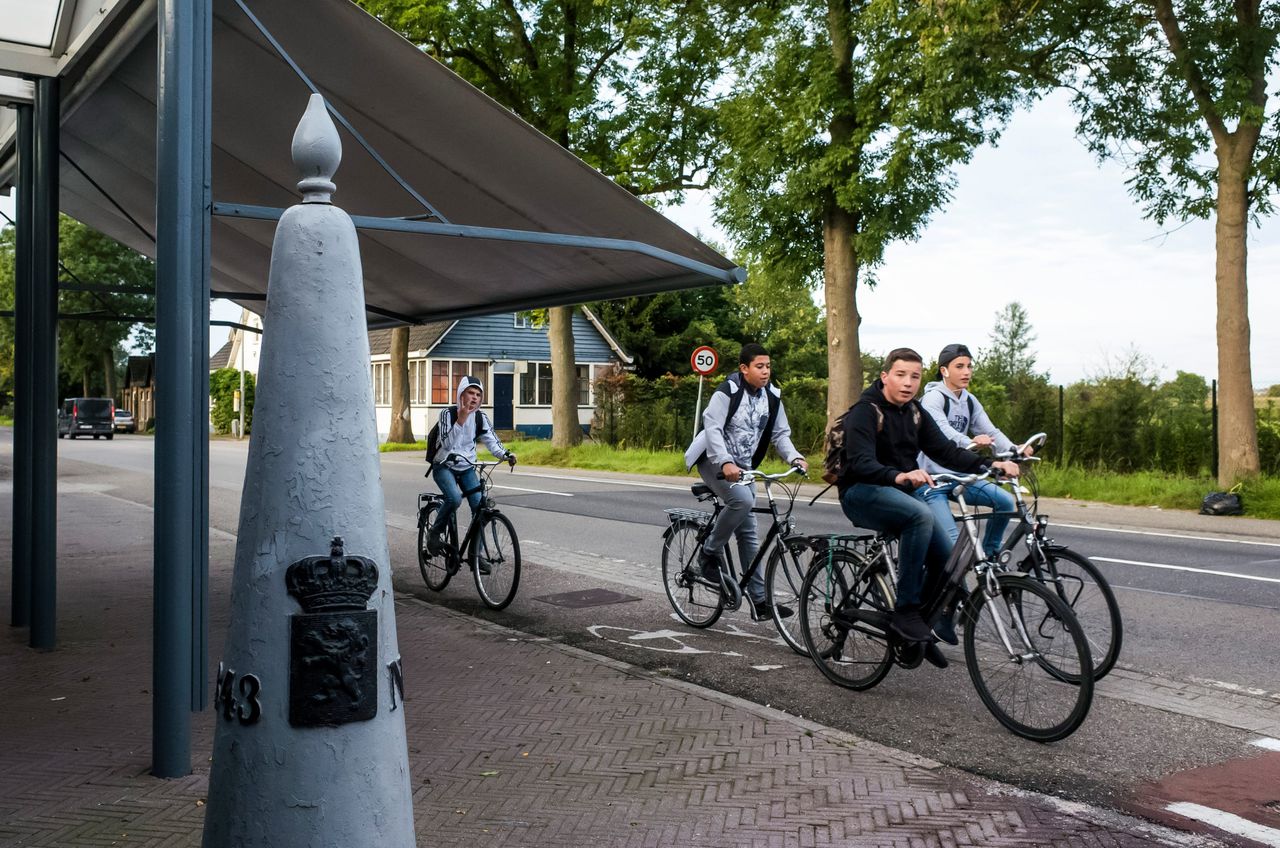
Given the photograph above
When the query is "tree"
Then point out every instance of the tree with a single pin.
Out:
(1010, 355)
(841, 141)
(401, 427)
(660, 331)
(1179, 95)
(88, 349)
(626, 86)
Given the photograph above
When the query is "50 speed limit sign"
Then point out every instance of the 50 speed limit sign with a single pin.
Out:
(704, 360)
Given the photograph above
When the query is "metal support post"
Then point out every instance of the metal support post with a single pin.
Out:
(1213, 424)
(20, 613)
(240, 432)
(182, 376)
(44, 365)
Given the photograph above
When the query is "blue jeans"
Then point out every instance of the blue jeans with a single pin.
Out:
(982, 493)
(452, 484)
(923, 544)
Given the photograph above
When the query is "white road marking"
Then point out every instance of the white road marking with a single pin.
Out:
(1229, 822)
(1168, 567)
(767, 667)
(535, 491)
(1166, 535)
(1267, 742)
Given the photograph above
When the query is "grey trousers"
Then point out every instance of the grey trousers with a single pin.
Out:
(735, 518)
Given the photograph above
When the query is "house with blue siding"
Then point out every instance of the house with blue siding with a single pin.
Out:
(508, 354)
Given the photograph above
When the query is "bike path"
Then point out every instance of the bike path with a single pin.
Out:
(513, 739)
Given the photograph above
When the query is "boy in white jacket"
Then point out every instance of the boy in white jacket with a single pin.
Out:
(456, 434)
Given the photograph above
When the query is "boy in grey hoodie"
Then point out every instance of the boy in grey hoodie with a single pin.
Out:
(962, 419)
(735, 436)
(455, 435)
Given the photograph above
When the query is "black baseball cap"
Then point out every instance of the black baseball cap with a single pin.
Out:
(950, 352)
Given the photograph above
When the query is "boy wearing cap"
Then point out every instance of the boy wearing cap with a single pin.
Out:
(962, 419)
(454, 454)
(743, 416)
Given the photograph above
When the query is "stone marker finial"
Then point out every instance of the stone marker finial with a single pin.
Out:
(317, 150)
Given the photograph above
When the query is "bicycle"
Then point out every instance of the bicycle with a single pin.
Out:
(699, 602)
(1076, 579)
(490, 546)
(1027, 655)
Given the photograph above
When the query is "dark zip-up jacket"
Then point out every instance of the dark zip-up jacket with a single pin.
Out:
(877, 453)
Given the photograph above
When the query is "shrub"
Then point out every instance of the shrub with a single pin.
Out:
(223, 384)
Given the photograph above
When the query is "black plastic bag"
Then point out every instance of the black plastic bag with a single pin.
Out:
(1222, 503)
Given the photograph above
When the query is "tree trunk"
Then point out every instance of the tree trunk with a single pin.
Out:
(85, 391)
(840, 274)
(839, 226)
(401, 425)
(109, 372)
(1237, 425)
(565, 429)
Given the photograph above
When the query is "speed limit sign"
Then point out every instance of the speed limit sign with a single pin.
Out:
(704, 360)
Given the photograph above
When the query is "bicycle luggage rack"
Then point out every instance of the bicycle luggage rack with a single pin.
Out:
(697, 516)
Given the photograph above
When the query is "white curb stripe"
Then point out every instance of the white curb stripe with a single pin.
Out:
(1267, 742)
(1229, 822)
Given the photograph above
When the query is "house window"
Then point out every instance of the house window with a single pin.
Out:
(382, 383)
(446, 374)
(535, 385)
(417, 381)
(522, 321)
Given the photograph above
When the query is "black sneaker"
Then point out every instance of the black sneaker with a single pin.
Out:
(709, 565)
(763, 610)
(935, 656)
(945, 627)
(910, 626)
(435, 543)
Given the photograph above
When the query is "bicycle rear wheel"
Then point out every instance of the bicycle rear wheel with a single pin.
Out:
(434, 567)
(1081, 585)
(849, 653)
(784, 577)
(1021, 683)
(694, 599)
(495, 561)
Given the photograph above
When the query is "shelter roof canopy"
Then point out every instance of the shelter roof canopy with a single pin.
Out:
(476, 163)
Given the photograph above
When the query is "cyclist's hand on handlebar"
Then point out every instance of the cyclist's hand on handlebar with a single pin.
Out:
(915, 478)
(1009, 469)
(511, 459)
(799, 462)
(983, 441)
(1028, 451)
(731, 472)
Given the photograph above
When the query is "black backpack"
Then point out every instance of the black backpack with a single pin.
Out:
(836, 461)
(451, 415)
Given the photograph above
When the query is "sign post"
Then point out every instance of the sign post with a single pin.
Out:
(704, 361)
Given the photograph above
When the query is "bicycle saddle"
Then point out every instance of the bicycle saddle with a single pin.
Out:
(701, 490)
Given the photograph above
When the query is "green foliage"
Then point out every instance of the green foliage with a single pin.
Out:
(849, 108)
(662, 330)
(1274, 391)
(223, 384)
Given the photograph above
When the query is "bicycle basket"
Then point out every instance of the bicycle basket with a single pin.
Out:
(697, 516)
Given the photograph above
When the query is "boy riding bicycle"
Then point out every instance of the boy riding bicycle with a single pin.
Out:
(962, 419)
(451, 451)
(742, 417)
(885, 433)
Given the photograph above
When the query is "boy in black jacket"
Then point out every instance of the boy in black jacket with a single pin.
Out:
(885, 432)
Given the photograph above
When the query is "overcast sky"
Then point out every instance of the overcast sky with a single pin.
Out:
(1037, 220)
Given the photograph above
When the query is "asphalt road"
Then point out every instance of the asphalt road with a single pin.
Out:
(1196, 685)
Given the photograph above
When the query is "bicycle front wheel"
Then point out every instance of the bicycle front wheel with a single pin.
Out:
(434, 567)
(849, 652)
(783, 578)
(1081, 585)
(495, 561)
(1018, 643)
(694, 599)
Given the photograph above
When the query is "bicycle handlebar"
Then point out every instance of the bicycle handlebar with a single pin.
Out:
(750, 476)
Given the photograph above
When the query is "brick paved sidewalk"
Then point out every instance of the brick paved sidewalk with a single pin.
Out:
(514, 741)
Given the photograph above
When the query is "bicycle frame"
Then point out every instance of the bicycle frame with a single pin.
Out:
(487, 508)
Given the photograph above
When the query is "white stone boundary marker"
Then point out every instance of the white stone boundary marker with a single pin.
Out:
(309, 748)
(1229, 822)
